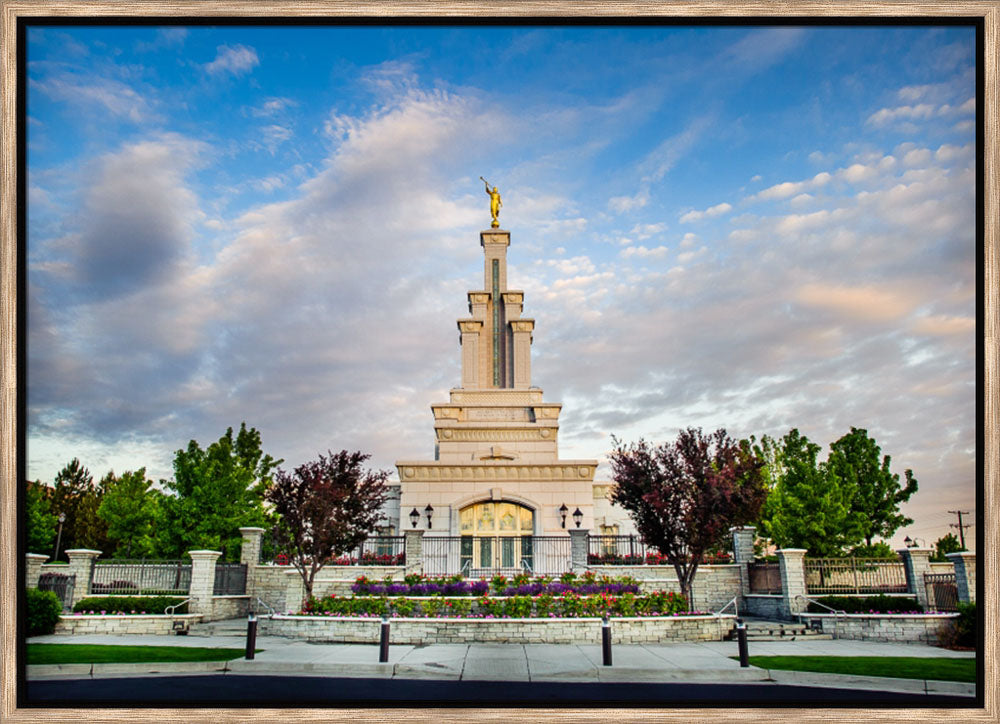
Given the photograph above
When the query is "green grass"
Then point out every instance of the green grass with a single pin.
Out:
(110, 654)
(898, 667)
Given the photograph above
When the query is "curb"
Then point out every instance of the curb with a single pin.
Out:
(872, 683)
(35, 671)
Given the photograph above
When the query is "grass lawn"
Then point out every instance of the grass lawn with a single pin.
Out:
(111, 654)
(899, 667)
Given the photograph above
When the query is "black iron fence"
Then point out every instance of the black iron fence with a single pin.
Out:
(942, 591)
(485, 556)
(855, 575)
(631, 550)
(385, 550)
(230, 579)
(136, 577)
(59, 583)
(765, 578)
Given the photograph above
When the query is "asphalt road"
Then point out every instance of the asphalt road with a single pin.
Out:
(300, 691)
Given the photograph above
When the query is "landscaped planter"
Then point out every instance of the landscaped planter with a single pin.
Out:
(500, 630)
(923, 628)
(122, 624)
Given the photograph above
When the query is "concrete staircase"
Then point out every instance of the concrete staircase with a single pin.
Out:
(761, 629)
(233, 627)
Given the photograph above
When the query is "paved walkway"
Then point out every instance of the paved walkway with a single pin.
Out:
(695, 662)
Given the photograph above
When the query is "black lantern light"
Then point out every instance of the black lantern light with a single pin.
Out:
(430, 512)
(414, 517)
(563, 510)
(578, 517)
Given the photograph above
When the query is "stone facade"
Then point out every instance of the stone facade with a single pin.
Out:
(793, 581)
(965, 575)
(917, 562)
(900, 628)
(33, 568)
(157, 624)
(516, 631)
(202, 580)
(81, 565)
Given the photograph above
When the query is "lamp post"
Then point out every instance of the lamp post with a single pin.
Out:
(563, 510)
(430, 512)
(414, 517)
(578, 517)
(914, 543)
(62, 519)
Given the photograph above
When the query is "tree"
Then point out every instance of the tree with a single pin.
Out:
(684, 496)
(71, 486)
(810, 506)
(945, 545)
(326, 507)
(90, 530)
(39, 520)
(854, 459)
(129, 509)
(216, 491)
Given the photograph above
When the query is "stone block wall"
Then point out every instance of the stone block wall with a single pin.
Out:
(714, 585)
(920, 629)
(138, 624)
(225, 607)
(762, 605)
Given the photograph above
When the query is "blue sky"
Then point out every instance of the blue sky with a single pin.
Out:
(751, 227)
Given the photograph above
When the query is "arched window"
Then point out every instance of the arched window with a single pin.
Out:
(496, 535)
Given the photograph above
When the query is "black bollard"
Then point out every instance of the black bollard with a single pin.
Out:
(383, 641)
(606, 640)
(741, 638)
(251, 635)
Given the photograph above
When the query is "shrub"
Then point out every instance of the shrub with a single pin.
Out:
(403, 606)
(961, 633)
(130, 604)
(44, 609)
(869, 604)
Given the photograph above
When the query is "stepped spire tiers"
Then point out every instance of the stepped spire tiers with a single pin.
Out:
(496, 469)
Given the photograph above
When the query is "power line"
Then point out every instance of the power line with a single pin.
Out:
(961, 526)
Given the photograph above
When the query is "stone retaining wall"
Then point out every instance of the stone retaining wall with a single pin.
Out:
(714, 585)
(762, 605)
(224, 607)
(159, 624)
(505, 630)
(900, 628)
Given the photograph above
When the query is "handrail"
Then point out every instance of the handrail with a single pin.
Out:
(263, 603)
(526, 566)
(169, 610)
(736, 608)
(837, 612)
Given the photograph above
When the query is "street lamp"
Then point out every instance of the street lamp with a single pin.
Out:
(62, 519)
(414, 517)
(914, 543)
(430, 511)
(563, 510)
(577, 517)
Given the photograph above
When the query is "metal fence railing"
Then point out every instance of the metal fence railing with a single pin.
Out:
(765, 578)
(59, 583)
(135, 577)
(384, 550)
(230, 579)
(942, 591)
(619, 550)
(855, 575)
(485, 556)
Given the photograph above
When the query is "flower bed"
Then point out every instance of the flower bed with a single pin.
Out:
(520, 585)
(544, 605)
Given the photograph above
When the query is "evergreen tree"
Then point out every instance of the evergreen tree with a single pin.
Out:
(70, 485)
(39, 520)
(944, 545)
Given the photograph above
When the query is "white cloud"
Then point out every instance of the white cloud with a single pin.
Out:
(113, 96)
(791, 188)
(642, 252)
(235, 59)
(708, 213)
(885, 116)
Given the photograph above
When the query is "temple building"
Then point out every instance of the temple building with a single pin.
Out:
(496, 479)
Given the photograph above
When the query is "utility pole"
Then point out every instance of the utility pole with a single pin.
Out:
(961, 526)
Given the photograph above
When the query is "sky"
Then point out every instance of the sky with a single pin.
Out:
(755, 228)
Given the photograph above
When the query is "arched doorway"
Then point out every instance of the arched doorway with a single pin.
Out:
(496, 536)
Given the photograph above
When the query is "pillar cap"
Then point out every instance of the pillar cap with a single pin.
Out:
(956, 554)
(83, 551)
(915, 550)
(200, 554)
(747, 528)
(792, 550)
(43, 556)
(251, 529)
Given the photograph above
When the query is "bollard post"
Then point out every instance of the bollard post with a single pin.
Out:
(741, 637)
(251, 635)
(606, 640)
(383, 641)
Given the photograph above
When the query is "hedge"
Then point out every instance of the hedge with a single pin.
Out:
(129, 604)
(869, 604)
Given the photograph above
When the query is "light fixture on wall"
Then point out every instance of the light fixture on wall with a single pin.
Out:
(563, 510)
(914, 543)
(430, 512)
(414, 517)
(577, 517)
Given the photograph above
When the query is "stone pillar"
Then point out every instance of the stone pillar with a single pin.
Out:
(579, 548)
(250, 555)
(202, 581)
(743, 538)
(793, 581)
(965, 574)
(81, 565)
(295, 591)
(414, 551)
(522, 329)
(33, 569)
(917, 562)
(470, 330)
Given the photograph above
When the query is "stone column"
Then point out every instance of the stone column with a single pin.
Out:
(414, 551)
(250, 555)
(743, 538)
(579, 548)
(793, 580)
(470, 330)
(33, 569)
(917, 562)
(81, 565)
(202, 582)
(295, 591)
(965, 574)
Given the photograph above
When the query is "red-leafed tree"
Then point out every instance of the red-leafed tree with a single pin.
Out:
(327, 507)
(684, 496)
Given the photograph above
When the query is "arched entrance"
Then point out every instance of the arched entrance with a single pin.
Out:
(496, 535)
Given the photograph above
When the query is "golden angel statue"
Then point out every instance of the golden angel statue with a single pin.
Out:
(495, 202)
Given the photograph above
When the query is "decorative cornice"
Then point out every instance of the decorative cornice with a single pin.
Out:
(488, 434)
(470, 326)
(522, 325)
(479, 297)
(526, 398)
(494, 236)
(513, 297)
(563, 470)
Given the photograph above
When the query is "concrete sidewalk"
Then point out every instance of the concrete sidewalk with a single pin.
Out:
(680, 662)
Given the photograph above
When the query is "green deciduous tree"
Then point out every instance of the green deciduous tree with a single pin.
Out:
(216, 491)
(810, 506)
(326, 507)
(857, 461)
(945, 545)
(129, 509)
(684, 496)
(39, 520)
